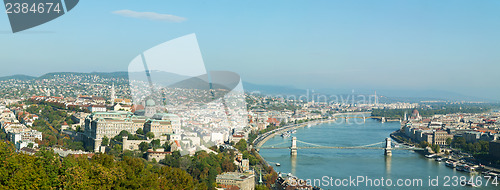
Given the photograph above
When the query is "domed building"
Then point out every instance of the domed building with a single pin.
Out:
(415, 115)
(150, 108)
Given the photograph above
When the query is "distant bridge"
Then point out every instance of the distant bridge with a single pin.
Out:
(305, 145)
(382, 119)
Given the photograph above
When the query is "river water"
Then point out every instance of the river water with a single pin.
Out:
(371, 169)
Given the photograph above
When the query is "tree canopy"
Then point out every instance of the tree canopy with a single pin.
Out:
(46, 170)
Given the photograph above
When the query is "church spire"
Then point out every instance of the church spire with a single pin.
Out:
(113, 94)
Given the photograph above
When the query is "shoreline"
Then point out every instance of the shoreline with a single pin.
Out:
(423, 152)
(263, 138)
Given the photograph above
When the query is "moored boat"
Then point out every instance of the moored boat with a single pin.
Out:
(450, 164)
(430, 155)
(461, 167)
(493, 174)
(285, 135)
(471, 169)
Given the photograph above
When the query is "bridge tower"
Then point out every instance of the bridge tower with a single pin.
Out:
(388, 148)
(293, 148)
(364, 119)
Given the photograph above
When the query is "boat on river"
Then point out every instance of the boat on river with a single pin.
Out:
(430, 155)
(285, 135)
(450, 164)
(461, 167)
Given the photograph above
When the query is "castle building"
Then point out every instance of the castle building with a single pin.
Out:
(158, 127)
(110, 124)
(150, 108)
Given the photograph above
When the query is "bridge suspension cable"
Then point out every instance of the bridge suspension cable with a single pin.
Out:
(273, 145)
(353, 146)
(370, 144)
(308, 143)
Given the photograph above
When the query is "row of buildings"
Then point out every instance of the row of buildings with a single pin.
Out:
(440, 128)
(17, 132)
(110, 124)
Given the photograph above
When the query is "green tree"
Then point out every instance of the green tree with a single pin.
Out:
(123, 133)
(79, 128)
(448, 141)
(241, 145)
(143, 147)
(435, 148)
(155, 143)
(424, 144)
(105, 141)
(459, 143)
(167, 146)
(3, 136)
(140, 131)
(150, 135)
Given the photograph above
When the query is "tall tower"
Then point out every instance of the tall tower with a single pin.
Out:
(388, 147)
(293, 148)
(150, 108)
(113, 94)
(376, 98)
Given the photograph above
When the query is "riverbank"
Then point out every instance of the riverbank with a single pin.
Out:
(314, 164)
(263, 138)
(399, 137)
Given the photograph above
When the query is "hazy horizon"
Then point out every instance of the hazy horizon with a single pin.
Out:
(415, 45)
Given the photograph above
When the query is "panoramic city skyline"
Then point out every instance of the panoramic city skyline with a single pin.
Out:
(250, 95)
(309, 45)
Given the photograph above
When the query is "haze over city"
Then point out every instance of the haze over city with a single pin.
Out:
(367, 45)
(249, 94)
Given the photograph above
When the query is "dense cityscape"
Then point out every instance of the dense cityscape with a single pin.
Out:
(72, 130)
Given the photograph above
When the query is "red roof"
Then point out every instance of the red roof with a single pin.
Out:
(137, 107)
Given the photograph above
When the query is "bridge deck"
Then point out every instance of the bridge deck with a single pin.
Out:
(338, 147)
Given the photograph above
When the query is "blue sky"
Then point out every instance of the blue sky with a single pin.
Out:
(422, 45)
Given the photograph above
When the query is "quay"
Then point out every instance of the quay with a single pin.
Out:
(263, 138)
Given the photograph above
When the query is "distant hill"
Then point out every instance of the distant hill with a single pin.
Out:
(272, 89)
(101, 74)
(173, 80)
(123, 75)
(17, 77)
(385, 95)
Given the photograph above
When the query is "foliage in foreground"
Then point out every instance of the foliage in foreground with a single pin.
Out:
(47, 170)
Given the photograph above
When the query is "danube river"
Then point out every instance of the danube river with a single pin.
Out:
(360, 168)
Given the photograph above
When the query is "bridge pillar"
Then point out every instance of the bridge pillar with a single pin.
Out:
(388, 148)
(364, 119)
(293, 148)
(346, 119)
